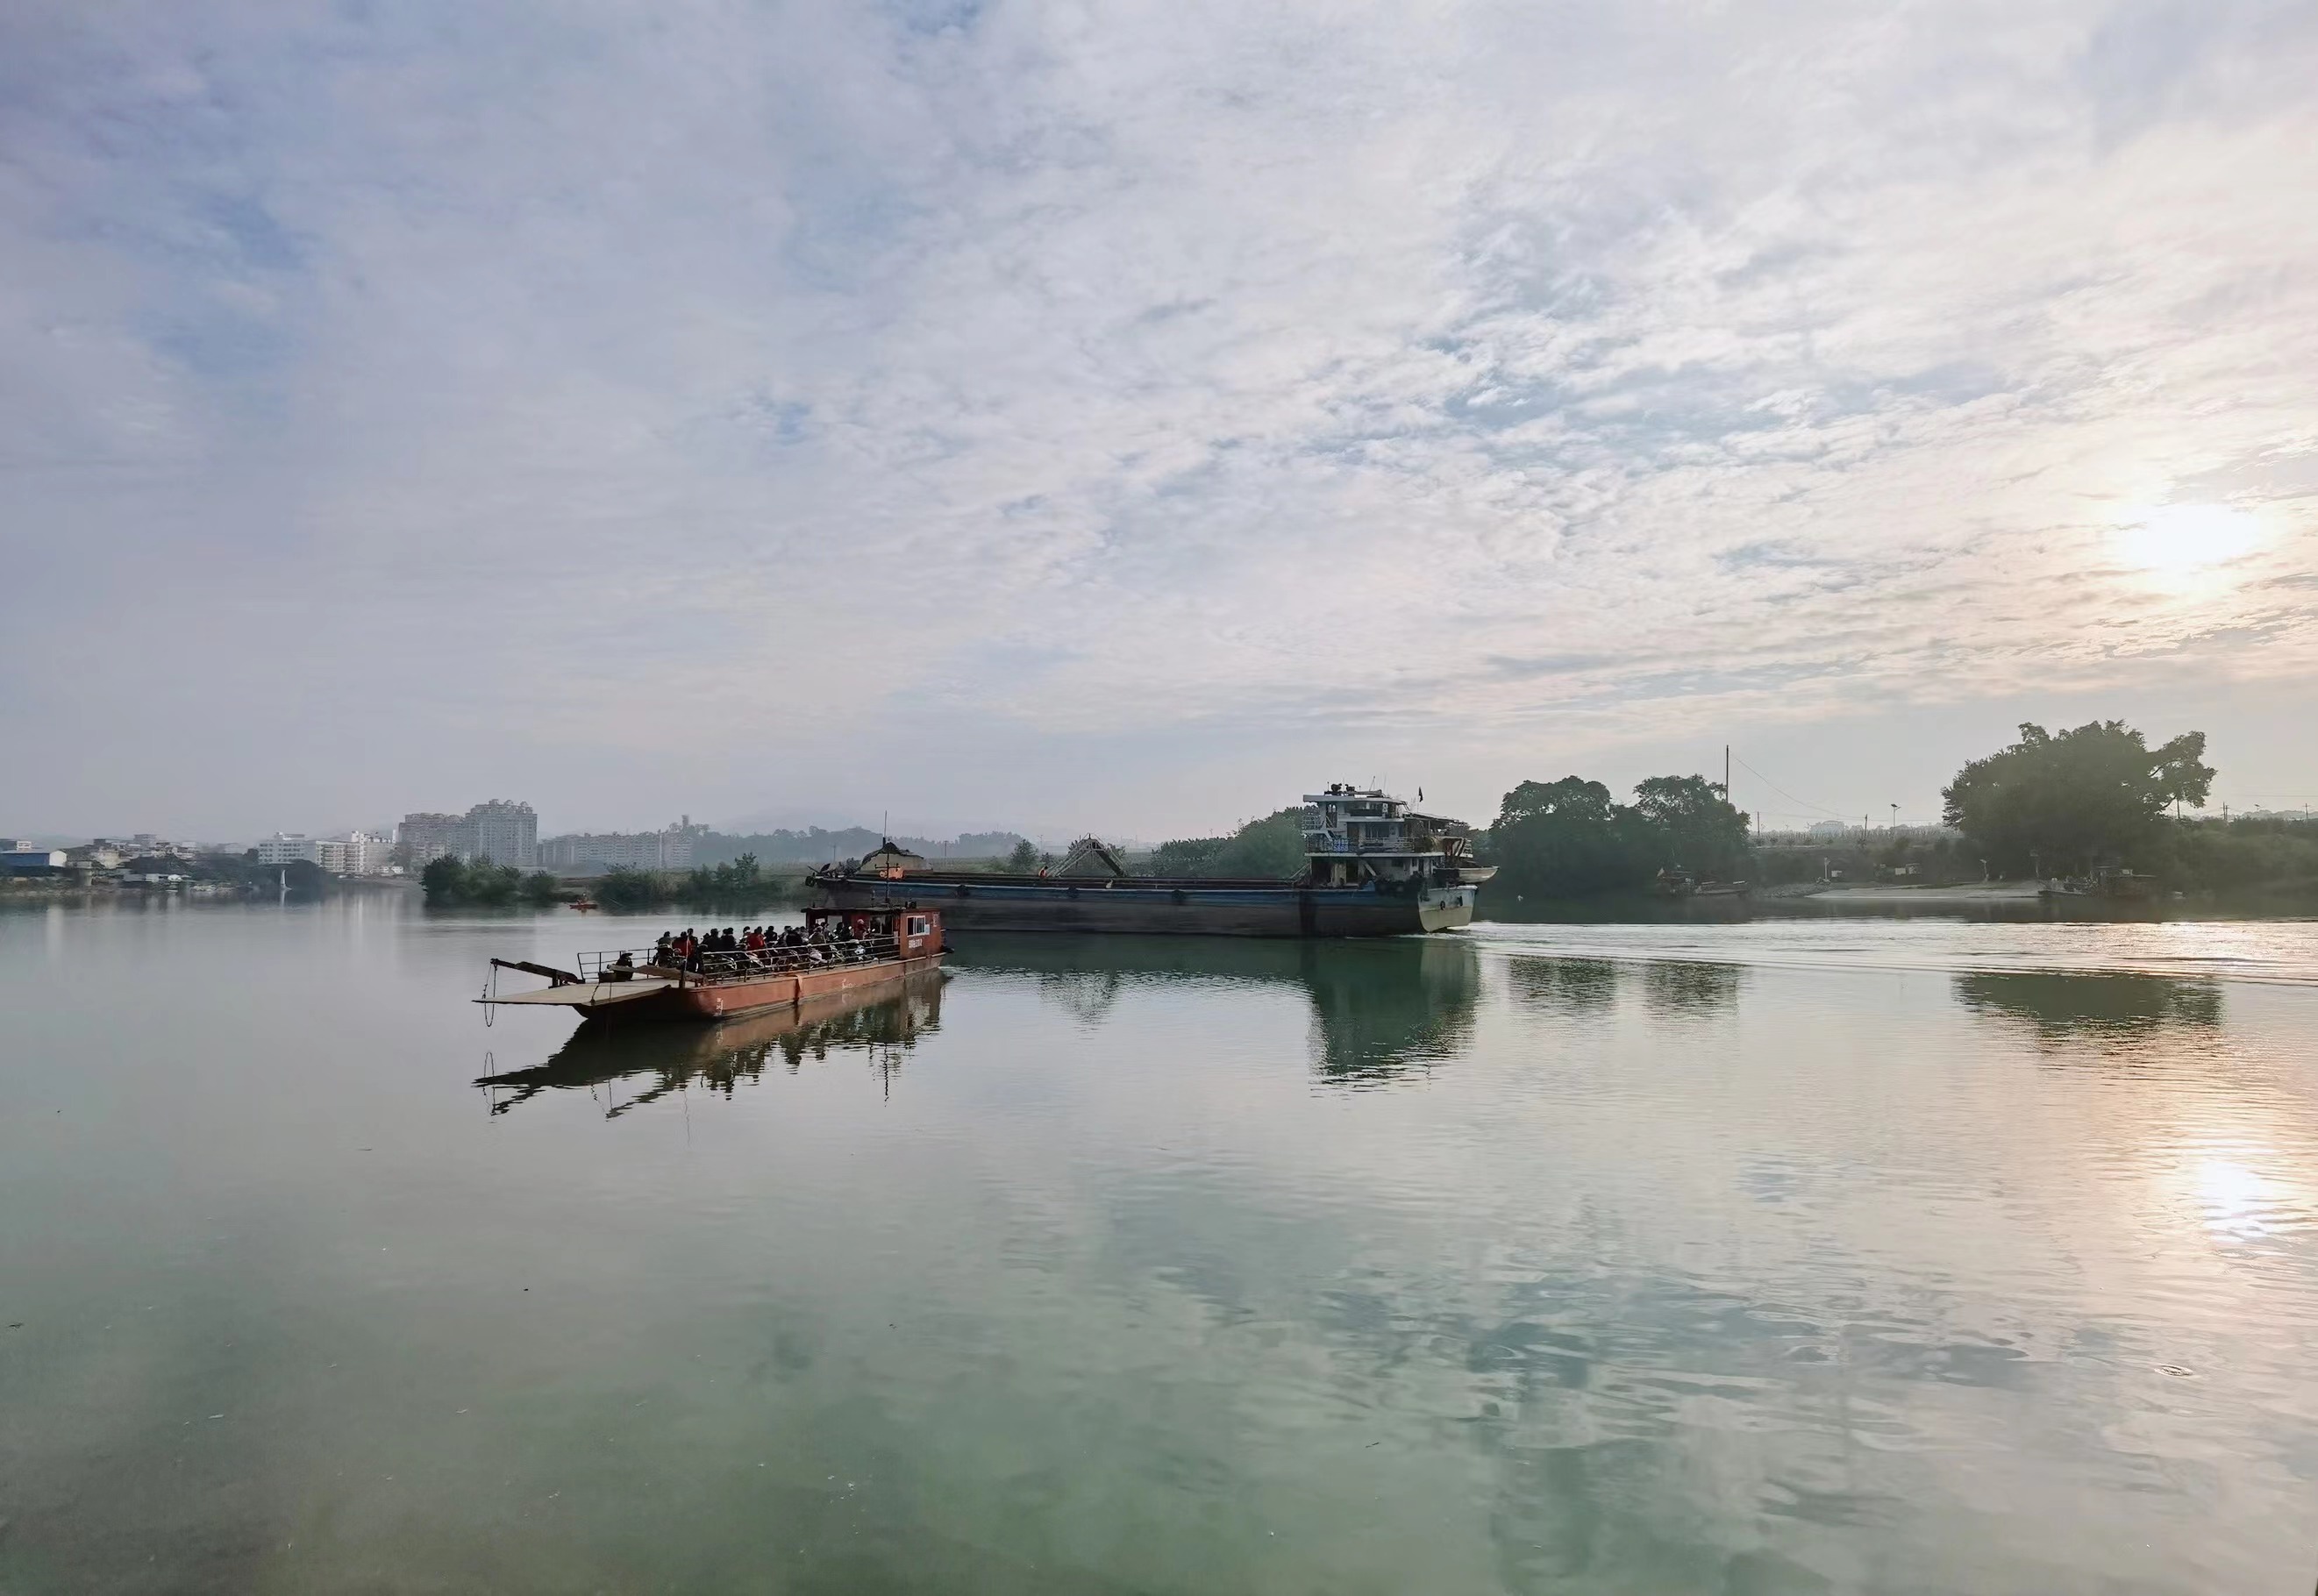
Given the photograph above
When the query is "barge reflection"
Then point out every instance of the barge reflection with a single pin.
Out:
(884, 1022)
(1382, 1008)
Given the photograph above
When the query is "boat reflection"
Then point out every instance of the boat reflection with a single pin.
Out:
(884, 1022)
(2104, 1006)
(1382, 1008)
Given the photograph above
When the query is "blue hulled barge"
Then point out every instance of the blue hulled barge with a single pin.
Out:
(1375, 867)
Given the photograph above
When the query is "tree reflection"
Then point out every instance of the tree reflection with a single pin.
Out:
(880, 1022)
(2103, 1006)
(1691, 989)
(1566, 986)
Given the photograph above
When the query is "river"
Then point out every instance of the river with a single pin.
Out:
(1867, 1255)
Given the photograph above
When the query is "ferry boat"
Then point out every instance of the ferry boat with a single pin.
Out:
(1374, 868)
(881, 1022)
(862, 948)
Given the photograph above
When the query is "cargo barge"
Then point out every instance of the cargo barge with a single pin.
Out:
(1374, 868)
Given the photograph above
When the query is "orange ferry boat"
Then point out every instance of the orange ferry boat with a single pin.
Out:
(854, 949)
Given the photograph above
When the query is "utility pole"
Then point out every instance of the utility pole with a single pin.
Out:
(1726, 773)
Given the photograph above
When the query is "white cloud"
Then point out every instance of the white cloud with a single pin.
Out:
(731, 407)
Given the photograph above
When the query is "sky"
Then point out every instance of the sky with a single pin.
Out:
(1128, 416)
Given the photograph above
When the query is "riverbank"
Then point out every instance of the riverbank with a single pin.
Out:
(73, 888)
(1977, 895)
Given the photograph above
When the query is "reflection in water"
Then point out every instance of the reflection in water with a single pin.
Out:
(1860, 1283)
(1380, 1006)
(1383, 1007)
(1690, 989)
(1566, 986)
(2093, 1006)
(2212, 1138)
(880, 1022)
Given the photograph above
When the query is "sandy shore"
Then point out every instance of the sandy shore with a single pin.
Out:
(1880, 897)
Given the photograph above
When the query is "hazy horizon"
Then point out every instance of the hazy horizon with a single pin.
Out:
(1129, 417)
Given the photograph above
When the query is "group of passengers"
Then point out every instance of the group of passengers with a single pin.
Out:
(821, 943)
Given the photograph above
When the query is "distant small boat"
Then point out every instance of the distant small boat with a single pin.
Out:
(2106, 881)
(586, 905)
(862, 948)
(1683, 884)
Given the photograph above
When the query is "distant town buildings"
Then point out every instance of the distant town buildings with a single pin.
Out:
(423, 836)
(357, 853)
(501, 830)
(23, 859)
(587, 851)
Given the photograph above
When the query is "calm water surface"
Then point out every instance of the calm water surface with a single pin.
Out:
(1907, 1256)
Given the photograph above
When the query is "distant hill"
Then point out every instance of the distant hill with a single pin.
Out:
(815, 846)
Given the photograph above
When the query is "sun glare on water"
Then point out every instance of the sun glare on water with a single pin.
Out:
(2181, 540)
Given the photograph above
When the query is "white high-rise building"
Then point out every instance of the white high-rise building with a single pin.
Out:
(505, 832)
(671, 849)
(502, 831)
(286, 847)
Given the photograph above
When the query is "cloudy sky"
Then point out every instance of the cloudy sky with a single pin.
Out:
(1131, 415)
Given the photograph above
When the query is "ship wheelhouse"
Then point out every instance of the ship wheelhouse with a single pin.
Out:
(1356, 835)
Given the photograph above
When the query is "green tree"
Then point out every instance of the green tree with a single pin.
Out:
(1270, 849)
(1567, 838)
(737, 881)
(494, 886)
(628, 890)
(444, 881)
(2068, 801)
(1188, 856)
(1267, 849)
(1024, 859)
(449, 884)
(1696, 827)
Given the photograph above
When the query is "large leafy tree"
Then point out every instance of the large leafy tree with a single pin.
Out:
(1568, 839)
(1273, 846)
(1698, 828)
(2072, 800)
(1571, 839)
(1270, 848)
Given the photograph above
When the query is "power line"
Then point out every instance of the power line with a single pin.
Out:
(1782, 793)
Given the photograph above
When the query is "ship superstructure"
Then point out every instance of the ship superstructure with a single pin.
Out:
(1361, 834)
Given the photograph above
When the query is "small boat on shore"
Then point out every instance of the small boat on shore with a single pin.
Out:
(1687, 884)
(851, 950)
